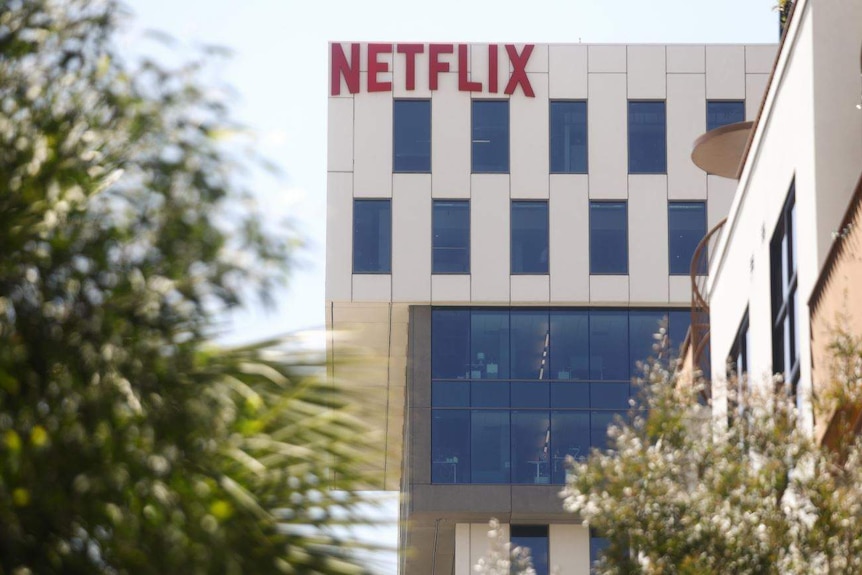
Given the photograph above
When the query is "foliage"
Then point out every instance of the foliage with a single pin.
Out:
(127, 442)
(501, 558)
(682, 492)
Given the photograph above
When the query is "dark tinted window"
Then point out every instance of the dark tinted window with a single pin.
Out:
(372, 236)
(530, 344)
(609, 345)
(531, 447)
(489, 344)
(568, 137)
(450, 344)
(451, 237)
(570, 437)
(490, 136)
(535, 538)
(450, 446)
(686, 222)
(529, 237)
(679, 321)
(411, 138)
(647, 138)
(643, 326)
(720, 113)
(597, 547)
(570, 344)
(490, 446)
(609, 250)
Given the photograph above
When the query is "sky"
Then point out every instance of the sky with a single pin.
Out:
(280, 77)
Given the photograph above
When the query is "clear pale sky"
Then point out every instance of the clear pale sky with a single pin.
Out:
(279, 71)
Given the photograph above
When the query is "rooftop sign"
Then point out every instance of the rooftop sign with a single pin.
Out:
(440, 58)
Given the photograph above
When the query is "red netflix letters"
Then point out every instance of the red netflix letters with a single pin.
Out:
(439, 62)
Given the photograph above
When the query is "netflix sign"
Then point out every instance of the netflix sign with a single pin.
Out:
(441, 58)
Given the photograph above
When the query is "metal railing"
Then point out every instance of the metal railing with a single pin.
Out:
(699, 330)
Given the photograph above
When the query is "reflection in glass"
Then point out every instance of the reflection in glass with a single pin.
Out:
(450, 343)
(530, 394)
(530, 344)
(723, 112)
(535, 538)
(570, 344)
(489, 349)
(570, 437)
(490, 446)
(450, 446)
(531, 444)
(609, 345)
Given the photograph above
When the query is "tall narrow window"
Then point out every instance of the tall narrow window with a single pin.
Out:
(529, 237)
(451, 241)
(686, 222)
(568, 137)
(534, 538)
(609, 253)
(372, 237)
(411, 136)
(490, 136)
(647, 138)
(737, 366)
(723, 112)
(785, 301)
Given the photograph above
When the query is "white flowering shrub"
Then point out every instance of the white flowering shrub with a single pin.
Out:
(502, 558)
(682, 492)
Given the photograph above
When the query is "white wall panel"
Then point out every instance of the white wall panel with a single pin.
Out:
(686, 59)
(530, 289)
(372, 287)
(372, 144)
(720, 196)
(569, 549)
(339, 235)
(759, 59)
(609, 289)
(755, 88)
(607, 125)
(646, 72)
(450, 140)
(529, 140)
(339, 135)
(725, 72)
(648, 239)
(569, 239)
(568, 71)
(489, 238)
(411, 237)
(686, 121)
(450, 288)
(462, 549)
(607, 58)
(479, 70)
(680, 290)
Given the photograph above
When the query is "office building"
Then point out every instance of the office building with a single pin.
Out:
(507, 225)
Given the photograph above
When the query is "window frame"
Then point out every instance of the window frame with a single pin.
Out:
(387, 269)
(547, 243)
(551, 124)
(784, 284)
(720, 101)
(663, 167)
(625, 205)
(508, 163)
(434, 204)
(702, 268)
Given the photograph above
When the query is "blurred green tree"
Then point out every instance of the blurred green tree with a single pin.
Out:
(128, 443)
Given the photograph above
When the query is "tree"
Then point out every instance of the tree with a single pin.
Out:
(682, 492)
(128, 442)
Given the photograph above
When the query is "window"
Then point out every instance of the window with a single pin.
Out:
(411, 136)
(490, 136)
(514, 391)
(597, 548)
(785, 301)
(372, 237)
(529, 237)
(686, 222)
(609, 250)
(451, 237)
(535, 538)
(737, 365)
(723, 112)
(647, 138)
(568, 137)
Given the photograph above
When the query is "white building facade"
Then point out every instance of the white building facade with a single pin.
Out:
(506, 227)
